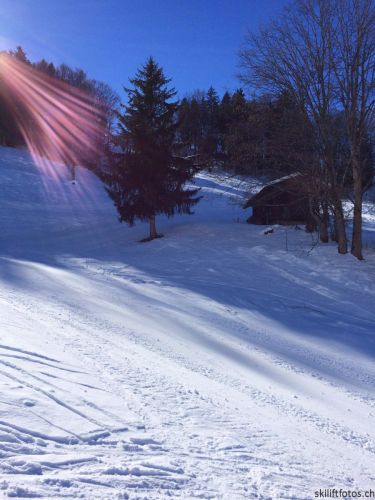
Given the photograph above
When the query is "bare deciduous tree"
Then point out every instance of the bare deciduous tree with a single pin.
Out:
(108, 101)
(295, 53)
(323, 51)
(354, 72)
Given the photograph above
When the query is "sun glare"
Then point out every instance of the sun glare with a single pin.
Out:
(59, 123)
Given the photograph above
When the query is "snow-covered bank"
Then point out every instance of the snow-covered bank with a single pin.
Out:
(212, 363)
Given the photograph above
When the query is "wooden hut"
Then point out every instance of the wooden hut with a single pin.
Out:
(283, 201)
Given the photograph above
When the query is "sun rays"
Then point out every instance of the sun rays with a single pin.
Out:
(59, 123)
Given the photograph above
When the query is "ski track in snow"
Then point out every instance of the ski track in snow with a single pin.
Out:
(212, 363)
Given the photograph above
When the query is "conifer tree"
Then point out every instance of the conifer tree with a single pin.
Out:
(147, 177)
(211, 119)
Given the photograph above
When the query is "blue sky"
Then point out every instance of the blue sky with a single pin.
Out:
(196, 41)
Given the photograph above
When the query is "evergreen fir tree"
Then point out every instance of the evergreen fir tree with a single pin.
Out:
(211, 123)
(147, 178)
(224, 118)
(19, 54)
(186, 126)
(238, 106)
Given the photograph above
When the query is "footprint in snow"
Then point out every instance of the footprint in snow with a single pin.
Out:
(28, 402)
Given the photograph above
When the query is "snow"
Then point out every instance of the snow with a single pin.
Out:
(216, 362)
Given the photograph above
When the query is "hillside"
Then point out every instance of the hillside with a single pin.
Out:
(216, 362)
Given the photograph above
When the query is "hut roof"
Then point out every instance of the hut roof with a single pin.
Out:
(290, 183)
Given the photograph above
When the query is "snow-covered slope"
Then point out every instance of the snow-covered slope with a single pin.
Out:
(216, 362)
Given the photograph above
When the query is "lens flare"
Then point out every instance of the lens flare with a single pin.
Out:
(59, 123)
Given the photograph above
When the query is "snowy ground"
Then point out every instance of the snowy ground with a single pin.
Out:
(216, 362)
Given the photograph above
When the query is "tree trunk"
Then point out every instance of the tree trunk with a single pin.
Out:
(340, 228)
(153, 233)
(334, 231)
(323, 226)
(356, 248)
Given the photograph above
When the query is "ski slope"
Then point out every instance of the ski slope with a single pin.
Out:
(216, 362)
